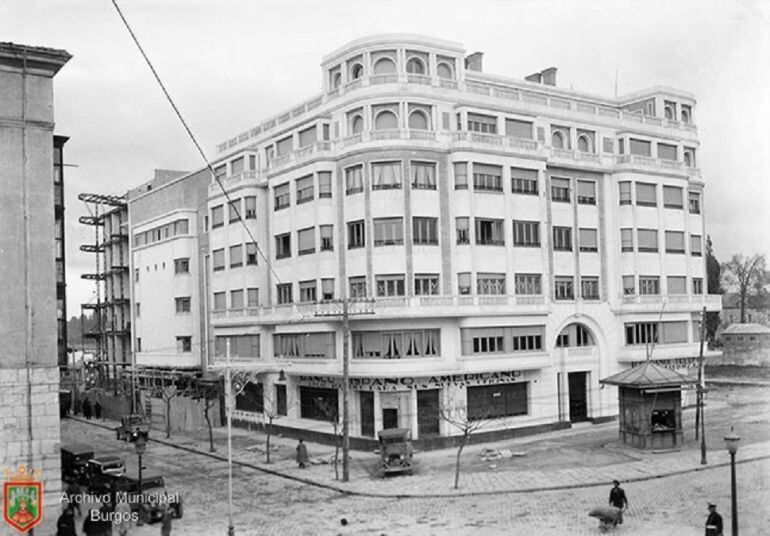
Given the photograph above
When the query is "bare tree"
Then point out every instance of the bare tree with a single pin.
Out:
(167, 386)
(331, 414)
(748, 275)
(209, 392)
(467, 422)
(271, 412)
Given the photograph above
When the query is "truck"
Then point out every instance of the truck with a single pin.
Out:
(132, 427)
(395, 450)
(74, 459)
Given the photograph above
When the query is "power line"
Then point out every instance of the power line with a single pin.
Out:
(200, 150)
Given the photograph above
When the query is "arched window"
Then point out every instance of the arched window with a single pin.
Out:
(336, 80)
(357, 124)
(669, 113)
(584, 144)
(575, 335)
(415, 66)
(418, 120)
(444, 71)
(384, 66)
(385, 120)
(557, 140)
(685, 116)
(357, 71)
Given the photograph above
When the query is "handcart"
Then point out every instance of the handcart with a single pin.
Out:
(609, 516)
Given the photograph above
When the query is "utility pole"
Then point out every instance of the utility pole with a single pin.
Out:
(699, 416)
(229, 402)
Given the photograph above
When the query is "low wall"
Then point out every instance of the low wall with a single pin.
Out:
(187, 415)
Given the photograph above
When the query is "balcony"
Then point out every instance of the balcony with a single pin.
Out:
(670, 303)
(300, 155)
(575, 156)
(630, 162)
(234, 180)
(389, 134)
(478, 140)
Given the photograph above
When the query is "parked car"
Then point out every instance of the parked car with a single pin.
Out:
(132, 427)
(74, 459)
(149, 500)
(103, 469)
(396, 450)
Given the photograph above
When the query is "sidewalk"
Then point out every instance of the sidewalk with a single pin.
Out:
(579, 457)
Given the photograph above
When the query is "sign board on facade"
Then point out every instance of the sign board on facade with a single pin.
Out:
(400, 383)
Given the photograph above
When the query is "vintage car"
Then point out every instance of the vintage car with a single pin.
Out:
(74, 460)
(132, 427)
(395, 450)
(148, 501)
(102, 469)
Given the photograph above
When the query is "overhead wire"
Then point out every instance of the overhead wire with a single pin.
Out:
(230, 203)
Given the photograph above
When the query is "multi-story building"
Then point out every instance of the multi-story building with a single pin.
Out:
(29, 366)
(511, 241)
(60, 248)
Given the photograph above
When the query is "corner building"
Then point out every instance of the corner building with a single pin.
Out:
(518, 242)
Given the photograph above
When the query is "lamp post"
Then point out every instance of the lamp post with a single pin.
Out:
(731, 441)
(140, 445)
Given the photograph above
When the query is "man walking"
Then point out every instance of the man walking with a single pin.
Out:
(97, 410)
(713, 522)
(302, 457)
(618, 500)
(87, 409)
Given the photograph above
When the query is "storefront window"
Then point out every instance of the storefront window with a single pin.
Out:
(493, 401)
(663, 420)
(318, 403)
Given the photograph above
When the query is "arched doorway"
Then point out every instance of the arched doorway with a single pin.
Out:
(575, 342)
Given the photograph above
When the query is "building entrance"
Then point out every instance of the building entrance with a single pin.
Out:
(427, 413)
(389, 418)
(578, 396)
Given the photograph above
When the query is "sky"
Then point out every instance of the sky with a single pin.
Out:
(230, 64)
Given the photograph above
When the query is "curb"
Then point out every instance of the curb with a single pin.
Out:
(356, 493)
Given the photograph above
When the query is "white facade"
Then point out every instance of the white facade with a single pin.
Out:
(520, 242)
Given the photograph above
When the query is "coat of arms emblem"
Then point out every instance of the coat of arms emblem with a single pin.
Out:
(22, 499)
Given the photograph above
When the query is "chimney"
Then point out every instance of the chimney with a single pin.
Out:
(534, 77)
(546, 76)
(473, 61)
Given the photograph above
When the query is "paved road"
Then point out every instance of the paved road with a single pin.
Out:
(266, 504)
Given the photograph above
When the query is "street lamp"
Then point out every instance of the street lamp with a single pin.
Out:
(731, 441)
(140, 444)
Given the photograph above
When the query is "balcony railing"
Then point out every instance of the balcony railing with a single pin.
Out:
(711, 301)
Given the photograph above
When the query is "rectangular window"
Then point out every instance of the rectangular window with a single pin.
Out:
(282, 196)
(560, 190)
(138, 344)
(629, 285)
(306, 241)
(236, 299)
(233, 210)
(461, 175)
(425, 230)
(284, 293)
(250, 207)
(489, 232)
(388, 231)
(318, 404)
(217, 216)
(136, 275)
(524, 181)
(625, 192)
(697, 285)
(283, 246)
(386, 175)
(589, 288)
(183, 344)
(672, 197)
(649, 284)
(647, 240)
(482, 123)
(390, 285)
(182, 304)
(399, 344)
(356, 237)
(324, 184)
(327, 289)
(626, 239)
(518, 129)
(220, 172)
(528, 284)
(673, 332)
(307, 291)
(586, 191)
(284, 146)
(588, 240)
(696, 245)
(354, 180)
(666, 152)
(487, 178)
(694, 202)
(608, 145)
(182, 265)
(423, 175)
(497, 401)
(236, 256)
(490, 283)
(564, 288)
(327, 237)
(645, 195)
(640, 147)
(252, 297)
(641, 333)
(526, 234)
(220, 301)
(425, 284)
(357, 287)
(138, 309)
(304, 345)
(674, 242)
(305, 189)
(489, 340)
(251, 254)
(241, 346)
(676, 284)
(218, 259)
(307, 136)
(562, 238)
(463, 232)
(281, 405)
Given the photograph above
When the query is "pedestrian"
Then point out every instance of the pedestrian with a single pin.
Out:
(65, 525)
(87, 409)
(713, 522)
(91, 526)
(122, 523)
(97, 410)
(73, 492)
(78, 405)
(618, 499)
(302, 457)
(165, 522)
